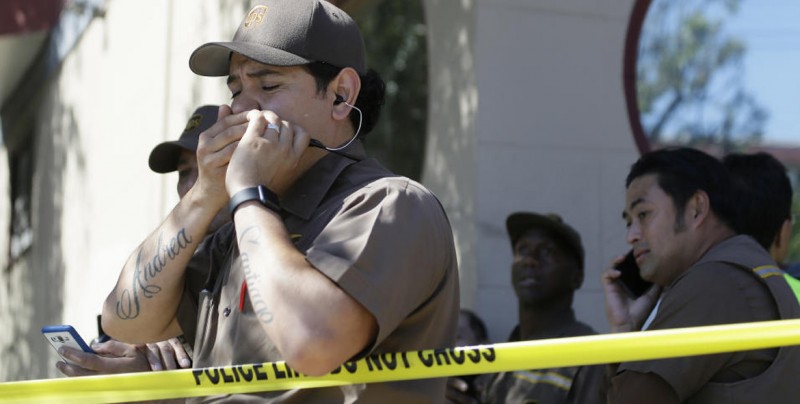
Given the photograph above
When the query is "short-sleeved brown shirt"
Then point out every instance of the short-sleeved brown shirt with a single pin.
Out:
(720, 288)
(571, 384)
(382, 238)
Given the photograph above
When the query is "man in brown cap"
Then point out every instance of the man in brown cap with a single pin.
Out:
(546, 271)
(177, 155)
(330, 256)
(181, 156)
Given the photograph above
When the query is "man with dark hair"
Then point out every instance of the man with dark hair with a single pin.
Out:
(471, 329)
(546, 271)
(680, 220)
(763, 195)
(466, 389)
(329, 256)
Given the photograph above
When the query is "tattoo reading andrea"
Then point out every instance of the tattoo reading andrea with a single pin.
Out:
(251, 236)
(128, 304)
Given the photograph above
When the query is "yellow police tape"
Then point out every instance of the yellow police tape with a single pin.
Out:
(541, 354)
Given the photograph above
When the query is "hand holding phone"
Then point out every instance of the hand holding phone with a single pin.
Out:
(631, 278)
(65, 335)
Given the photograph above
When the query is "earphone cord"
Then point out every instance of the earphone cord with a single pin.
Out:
(317, 143)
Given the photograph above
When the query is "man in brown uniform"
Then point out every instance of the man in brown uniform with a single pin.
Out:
(680, 224)
(329, 256)
(546, 271)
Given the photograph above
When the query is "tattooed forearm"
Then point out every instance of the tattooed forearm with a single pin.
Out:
(250, 235)
(259, 305)
(128, 305)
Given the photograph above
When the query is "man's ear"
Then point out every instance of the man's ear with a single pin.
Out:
(345, 86)
(780, 245)
(697, 208)
(783, 236)
(577, 279)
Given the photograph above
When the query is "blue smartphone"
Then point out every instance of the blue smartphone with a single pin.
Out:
(58, 335)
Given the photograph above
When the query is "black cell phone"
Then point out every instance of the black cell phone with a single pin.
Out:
(631, 277)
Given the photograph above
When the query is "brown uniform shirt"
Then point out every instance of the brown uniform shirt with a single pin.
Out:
(723, 288)
(382, 238)
(572, 384)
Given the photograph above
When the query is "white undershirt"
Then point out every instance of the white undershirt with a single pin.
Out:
(652, 315)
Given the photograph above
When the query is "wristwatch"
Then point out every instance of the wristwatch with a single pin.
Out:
(258, 193)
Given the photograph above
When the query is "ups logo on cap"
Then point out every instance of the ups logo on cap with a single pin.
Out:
(193, 123)
(255, 16)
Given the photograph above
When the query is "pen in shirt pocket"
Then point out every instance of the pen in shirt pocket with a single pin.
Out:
(242, 295)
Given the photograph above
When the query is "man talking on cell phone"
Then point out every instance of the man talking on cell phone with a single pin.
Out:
(681, 226)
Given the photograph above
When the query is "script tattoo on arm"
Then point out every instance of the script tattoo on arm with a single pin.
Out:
(128, 305)
(251, 235)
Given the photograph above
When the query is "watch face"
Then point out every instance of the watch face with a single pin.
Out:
(268, 198)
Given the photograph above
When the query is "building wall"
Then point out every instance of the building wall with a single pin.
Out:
(450, 168)
(123, 88)
(526, 112)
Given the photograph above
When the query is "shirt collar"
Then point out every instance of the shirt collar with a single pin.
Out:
(310, 189)
(739, 250)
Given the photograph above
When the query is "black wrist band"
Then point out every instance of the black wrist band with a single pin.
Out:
(259, 193)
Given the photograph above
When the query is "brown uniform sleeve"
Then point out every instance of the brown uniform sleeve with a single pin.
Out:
(708, 294)
(589, 385)
(632, 387)
(389, 248)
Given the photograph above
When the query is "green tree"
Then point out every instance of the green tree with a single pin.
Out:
(689, 70)
(395, 37)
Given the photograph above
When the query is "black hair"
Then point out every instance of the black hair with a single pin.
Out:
(681, 172)
(370, 99)
(476, 325)
(763, 194)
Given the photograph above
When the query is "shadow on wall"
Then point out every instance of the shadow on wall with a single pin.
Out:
(35, 284)
(449, 167)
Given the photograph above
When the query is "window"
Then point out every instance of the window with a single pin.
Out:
(21, 166)
(717, 75)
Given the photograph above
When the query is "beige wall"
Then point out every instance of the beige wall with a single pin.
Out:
(526, 112)
(124, 88)
(450, 167)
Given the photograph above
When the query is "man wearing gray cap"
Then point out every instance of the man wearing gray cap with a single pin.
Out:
(546, 270)
(177, 155)
(181, 156)
(330, 256)
(164, 158)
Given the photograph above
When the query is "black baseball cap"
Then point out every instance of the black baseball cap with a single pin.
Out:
(520, 222)
(287, 33)
(164, 157)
